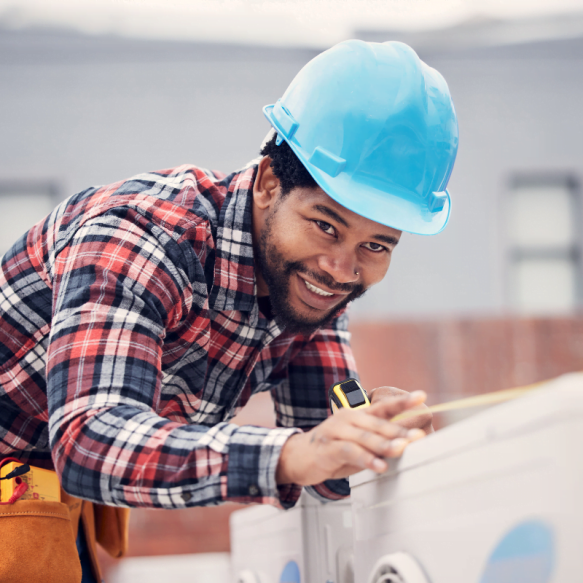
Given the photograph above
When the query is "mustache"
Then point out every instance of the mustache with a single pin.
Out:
(325, 280)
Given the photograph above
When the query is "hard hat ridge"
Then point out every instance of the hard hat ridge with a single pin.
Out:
(376, 128)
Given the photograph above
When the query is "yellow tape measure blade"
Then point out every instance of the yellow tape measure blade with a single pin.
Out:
(468, 402)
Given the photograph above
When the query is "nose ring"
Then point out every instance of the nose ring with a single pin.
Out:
(356, 273)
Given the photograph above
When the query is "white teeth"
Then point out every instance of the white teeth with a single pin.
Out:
(317, 290)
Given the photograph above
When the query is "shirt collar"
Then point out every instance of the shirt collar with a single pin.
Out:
(234, 285)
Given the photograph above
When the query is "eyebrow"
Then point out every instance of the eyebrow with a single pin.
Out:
(326, 210)
(331, 213)
(386, 239)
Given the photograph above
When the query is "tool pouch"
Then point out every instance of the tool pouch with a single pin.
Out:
(105, 525)
(111, 529)
(37, 543)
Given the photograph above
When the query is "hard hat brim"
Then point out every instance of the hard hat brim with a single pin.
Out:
(367, 200)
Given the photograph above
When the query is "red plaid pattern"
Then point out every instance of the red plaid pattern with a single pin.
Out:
(130, 334)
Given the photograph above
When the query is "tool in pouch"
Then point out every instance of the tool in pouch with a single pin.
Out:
(347, 394)
(37, 538)
(20, 481)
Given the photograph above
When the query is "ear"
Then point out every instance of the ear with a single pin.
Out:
(266, 188)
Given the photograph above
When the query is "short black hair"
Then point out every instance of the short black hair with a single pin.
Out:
(287, 167)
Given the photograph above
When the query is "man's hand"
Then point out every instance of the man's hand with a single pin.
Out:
(422, 421)
(348, 442)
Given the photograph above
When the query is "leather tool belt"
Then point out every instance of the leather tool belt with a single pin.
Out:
(37, 538)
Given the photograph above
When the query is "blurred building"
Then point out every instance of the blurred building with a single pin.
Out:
(78, 111)
(489, 303)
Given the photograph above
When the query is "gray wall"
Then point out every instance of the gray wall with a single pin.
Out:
(90, 111)
(78, 111)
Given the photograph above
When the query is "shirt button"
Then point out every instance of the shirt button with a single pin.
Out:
(186, 496)
(253, 490)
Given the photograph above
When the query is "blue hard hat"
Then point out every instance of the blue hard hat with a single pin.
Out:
(376, 128)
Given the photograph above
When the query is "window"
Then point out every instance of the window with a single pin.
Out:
(22, 204)
(544, 250)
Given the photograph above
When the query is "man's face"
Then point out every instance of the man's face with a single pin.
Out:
(313, 255)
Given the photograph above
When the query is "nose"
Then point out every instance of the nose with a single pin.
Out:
(342, 267)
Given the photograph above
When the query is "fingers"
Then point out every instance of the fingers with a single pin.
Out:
(354, 455)
(423, 420)
(381, 393)
(360, 422)
(416, 417)
(379, 437)
(348, 442)
(380, 445)
(389, 408)
(351, 454)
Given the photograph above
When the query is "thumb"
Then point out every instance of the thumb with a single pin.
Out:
(389, 408)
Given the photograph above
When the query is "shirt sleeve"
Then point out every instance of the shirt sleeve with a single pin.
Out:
(301, 399)
(119, 286)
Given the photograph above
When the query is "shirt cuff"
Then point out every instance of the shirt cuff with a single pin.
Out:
(289, 494)
(253, 457)
(330, 490)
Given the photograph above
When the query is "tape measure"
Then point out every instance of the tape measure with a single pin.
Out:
(347, 394)
(475, 401)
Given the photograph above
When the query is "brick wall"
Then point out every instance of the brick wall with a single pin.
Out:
(450, 359)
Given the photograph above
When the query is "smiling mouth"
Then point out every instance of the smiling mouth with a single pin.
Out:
(317, 290)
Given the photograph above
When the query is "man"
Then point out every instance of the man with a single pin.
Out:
(139, 317)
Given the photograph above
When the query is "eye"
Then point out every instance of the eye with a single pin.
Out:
(326, 227)
(374, 247)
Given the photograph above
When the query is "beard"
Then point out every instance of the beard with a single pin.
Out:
(277, 273)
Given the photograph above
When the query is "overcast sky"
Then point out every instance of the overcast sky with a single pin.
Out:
(314, 23)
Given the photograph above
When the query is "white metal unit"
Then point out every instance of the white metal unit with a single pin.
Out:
(495, 498)
(310, 543)
(195, 568)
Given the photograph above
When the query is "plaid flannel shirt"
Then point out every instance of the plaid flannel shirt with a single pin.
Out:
(130, 334)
